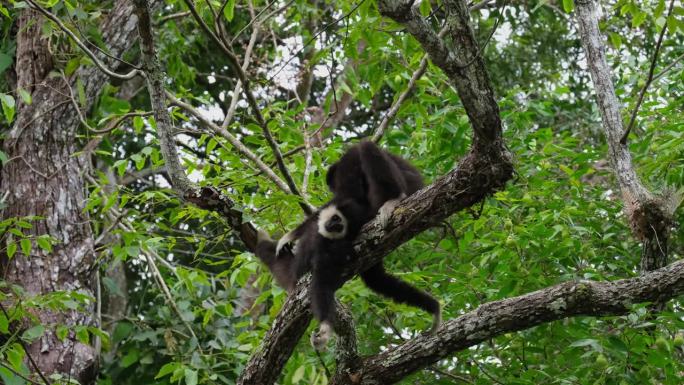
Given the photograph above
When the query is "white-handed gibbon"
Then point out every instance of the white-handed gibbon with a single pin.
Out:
(365, 182)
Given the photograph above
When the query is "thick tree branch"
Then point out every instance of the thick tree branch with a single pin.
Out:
(478, 175)
(492, 319)
(460, 60)
(251, 100)
(155, 85)
(649, 216)
(481, 172)
(206, 197)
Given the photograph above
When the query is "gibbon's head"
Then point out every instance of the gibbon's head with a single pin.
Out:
(332, 224)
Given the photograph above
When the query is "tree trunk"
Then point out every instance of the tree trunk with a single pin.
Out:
(43, 178)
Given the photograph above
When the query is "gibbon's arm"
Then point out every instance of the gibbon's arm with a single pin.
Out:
(384, 178)
(283, 267)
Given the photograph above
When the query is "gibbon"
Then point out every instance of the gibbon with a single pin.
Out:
(365, 182)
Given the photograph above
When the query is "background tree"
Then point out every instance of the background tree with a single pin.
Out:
(141, 147)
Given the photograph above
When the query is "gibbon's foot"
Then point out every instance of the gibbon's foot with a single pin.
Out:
(320, 339)
(436, 321)
(387, 209)
(284, 240)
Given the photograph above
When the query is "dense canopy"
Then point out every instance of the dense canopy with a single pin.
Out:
(143, 143)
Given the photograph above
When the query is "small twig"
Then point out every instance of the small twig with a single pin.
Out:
(486, 373)
(668, 67)
(28, 354)
(307, 162)
(314, 37)
(81, 45)
(245, 64)
(251, 100)
(254, 19)
(651, 70)
(172, 16)
(394, 110)
(167, 294)
(114, 124)
(454, 377)
(234, 141)
(325, 367)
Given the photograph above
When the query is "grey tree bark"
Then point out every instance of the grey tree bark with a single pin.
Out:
(649, 215)
(44, 178)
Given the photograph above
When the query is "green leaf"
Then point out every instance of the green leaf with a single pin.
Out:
(4, 324)
(615, 40)
(3, 158)
(82, 334)
(5, 61)
(130, 358)
(638, 18)
(71, 66)
(8, 104)
(167, 369)
(61, 332)
(11, 249)
(25, 95)
(298, 374)
(121, 331)
(568, 5)
(9, 378)
(190, 377)
(138, 124)
(15, 355)
(659, 9)
(5, 12)
(26, 246)
(33, 333)
(44, 243)
(229, 10)
(81, 92)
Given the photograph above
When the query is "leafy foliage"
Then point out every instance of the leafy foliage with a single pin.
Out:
(200, 317)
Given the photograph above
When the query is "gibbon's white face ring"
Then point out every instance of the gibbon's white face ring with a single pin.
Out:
(326, 215)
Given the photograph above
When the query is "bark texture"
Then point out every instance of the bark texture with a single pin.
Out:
(483, 171)
(649, 215)
(43, 178)
(514, 314)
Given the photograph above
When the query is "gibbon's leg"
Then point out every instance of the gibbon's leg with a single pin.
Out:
(378, 280)
(323, 308)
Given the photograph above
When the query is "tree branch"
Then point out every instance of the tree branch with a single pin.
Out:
(569, 299)
(251, 100)
(649, 79)
(485, 169)
(649, 216)
(234, 141)
(206, 197)
(478, 175)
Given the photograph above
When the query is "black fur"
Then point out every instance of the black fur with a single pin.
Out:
(362, 181)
